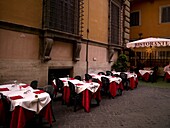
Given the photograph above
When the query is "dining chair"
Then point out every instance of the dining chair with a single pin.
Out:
(59, 85)
(5, 114)
(109, 73)
(95, 80)
(116, 75)
(87, 77)
(154, 75)
(50, 90)
(105, 86)
(78, 77)
(60, 88)
(34, 84)
(101, 73)
(75, 98)
(125, 80)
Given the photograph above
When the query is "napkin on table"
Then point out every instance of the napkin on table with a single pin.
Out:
(16, 97)
(79, 84)
(39, 92)
(4, 89)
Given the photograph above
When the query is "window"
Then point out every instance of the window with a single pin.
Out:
(135, 18)
(114, 28)
(62, 15)
(165, 14)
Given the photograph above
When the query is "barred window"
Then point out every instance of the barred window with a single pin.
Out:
(114, 27)
(62, 15)
(134, 18)
(165, 14)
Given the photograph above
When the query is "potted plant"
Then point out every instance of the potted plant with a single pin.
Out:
(121, 64)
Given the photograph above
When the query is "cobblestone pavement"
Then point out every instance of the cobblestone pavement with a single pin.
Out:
(144, 107)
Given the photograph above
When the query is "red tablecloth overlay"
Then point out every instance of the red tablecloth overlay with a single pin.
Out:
(114, 87)
(20, 115)
(145, 77)
(133, 82)
(86, 97)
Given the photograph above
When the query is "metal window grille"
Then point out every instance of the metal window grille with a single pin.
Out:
(64, 15)
(159, 58)
(114, 23)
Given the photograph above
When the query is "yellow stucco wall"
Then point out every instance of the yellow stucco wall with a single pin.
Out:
(24, 12)
(96, 20)
(150, 24)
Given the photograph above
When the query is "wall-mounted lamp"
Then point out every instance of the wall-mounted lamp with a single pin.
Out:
(94, 59)
(140, 35)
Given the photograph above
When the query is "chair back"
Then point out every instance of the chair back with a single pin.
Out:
(49, 89)
(87, 77)
(109, 73)
(101, 73)
(105, 81)
(5, 114)
(78, 77)
(123, 76)
(116, 75)
(6, 103)
(34, 84)
(72, 88)
(59, 85)
(95, 80)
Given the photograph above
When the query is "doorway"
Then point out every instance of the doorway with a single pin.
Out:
(59, 73)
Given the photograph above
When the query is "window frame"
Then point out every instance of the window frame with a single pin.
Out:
(52, 23)
(160, 14)
(139, 18)
(111, 42)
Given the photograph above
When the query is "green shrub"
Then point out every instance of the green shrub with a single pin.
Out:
(121, 64)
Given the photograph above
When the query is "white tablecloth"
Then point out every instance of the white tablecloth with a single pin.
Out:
(168, 72)
(29, 100)
(111, 79)
(129, 75)
(81, 85)
(142, 72)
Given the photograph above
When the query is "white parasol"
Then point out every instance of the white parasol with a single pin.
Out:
(149, 42)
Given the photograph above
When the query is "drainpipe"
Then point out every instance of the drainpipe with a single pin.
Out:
(87, 45)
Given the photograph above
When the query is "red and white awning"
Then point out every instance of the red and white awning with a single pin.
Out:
(149, 42)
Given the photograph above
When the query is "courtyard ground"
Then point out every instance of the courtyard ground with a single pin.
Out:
(143, 107)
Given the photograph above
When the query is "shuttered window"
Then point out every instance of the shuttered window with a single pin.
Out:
(165, 14)
(134, 18)
(114, 26)
(62, 15)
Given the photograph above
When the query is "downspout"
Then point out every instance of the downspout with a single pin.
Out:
(87, 45)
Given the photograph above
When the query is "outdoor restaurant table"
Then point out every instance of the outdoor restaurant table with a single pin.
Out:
(115, 83)
(25, 103)
(167, 75)
(89, 90)
(133, 79)
(145, 74)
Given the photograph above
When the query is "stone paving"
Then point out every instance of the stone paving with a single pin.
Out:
(144, 107)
